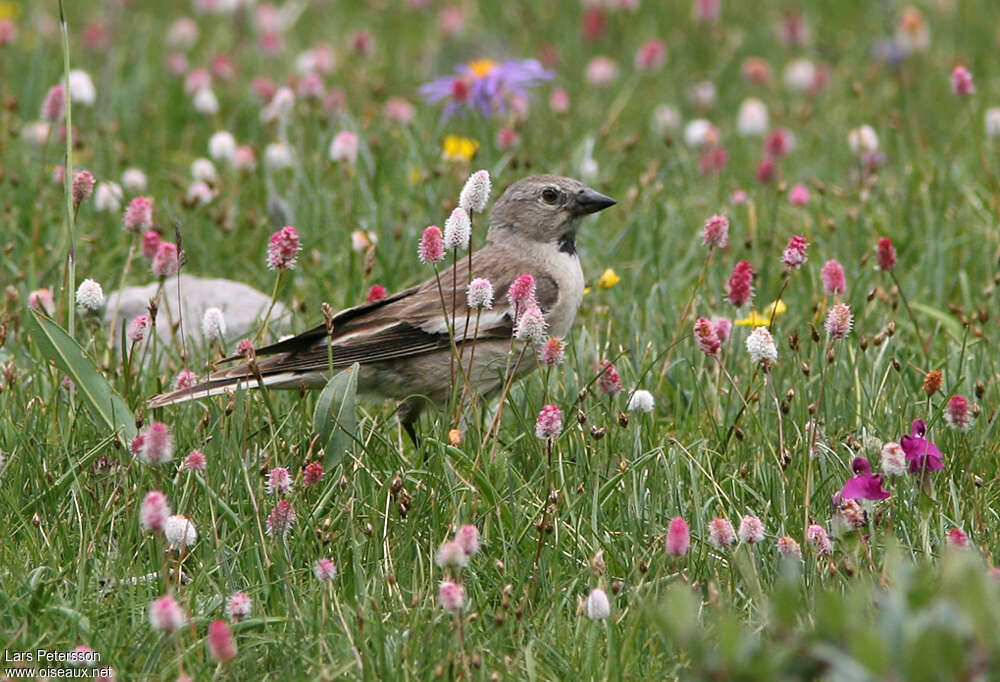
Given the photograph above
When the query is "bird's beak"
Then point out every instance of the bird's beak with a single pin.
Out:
(589, 201)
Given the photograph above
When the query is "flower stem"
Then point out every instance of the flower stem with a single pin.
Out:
(906, 304)
(270, 308)
(70, 283)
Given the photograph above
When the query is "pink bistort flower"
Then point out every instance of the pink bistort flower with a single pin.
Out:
(283, 249)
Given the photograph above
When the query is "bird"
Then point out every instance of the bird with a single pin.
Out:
(402, 342)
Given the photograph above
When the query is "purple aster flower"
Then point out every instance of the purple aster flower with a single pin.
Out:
(922, 454)
(864, 485)
(485, 85)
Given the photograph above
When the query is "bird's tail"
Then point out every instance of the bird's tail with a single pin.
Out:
(223, 381)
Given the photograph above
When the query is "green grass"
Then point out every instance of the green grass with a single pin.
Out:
(900, 604)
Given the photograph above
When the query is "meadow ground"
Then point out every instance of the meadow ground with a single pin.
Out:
(726, 532)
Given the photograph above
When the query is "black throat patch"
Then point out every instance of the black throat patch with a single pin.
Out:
(567, 242)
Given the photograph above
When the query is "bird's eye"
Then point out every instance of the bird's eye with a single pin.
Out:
(549, 195)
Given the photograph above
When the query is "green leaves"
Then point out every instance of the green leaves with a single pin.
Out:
(104, 404)
(335, 418)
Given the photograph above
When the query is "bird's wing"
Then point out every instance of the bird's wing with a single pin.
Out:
(411, 322)
(409, 325)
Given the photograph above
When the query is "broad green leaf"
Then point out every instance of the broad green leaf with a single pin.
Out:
(105, 405)
(335, 418)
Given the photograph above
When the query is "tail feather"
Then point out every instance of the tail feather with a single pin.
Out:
(219, 383)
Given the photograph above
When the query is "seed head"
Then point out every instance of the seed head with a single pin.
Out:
(932, 382)
(213, 324)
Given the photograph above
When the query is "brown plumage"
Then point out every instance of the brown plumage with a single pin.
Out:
(401, 341)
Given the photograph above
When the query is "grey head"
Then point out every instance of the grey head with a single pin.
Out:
(545, 209)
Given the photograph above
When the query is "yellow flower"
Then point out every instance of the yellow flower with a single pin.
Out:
(608, 279)
(9, 10)
(586, 291)
(777, 307)
(457, 148)
(755, 319)
(481, 67)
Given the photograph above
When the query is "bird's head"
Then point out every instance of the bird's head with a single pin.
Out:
(545, 209)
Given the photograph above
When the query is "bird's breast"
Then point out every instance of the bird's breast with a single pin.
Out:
(566, 271)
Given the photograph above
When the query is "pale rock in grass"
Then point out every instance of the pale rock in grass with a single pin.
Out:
(242, 305)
